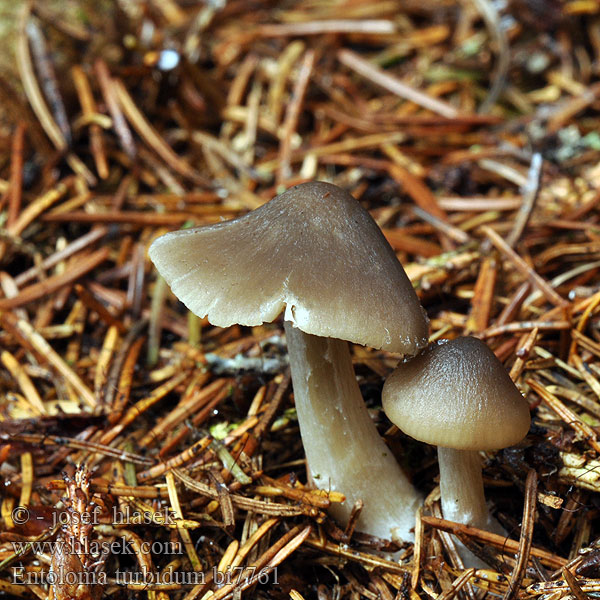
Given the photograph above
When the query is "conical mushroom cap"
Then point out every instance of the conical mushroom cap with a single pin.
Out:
(314, 251)
(457, 394)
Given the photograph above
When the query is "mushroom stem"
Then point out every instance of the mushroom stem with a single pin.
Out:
(461, 487)
(343, 448)
(463, 499)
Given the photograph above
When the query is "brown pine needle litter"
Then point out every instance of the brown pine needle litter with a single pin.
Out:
(150, 454)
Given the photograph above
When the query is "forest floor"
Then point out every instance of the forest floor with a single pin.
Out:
(469, 130)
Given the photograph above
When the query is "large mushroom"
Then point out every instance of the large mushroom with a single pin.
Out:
(316, 253)
(458, 396)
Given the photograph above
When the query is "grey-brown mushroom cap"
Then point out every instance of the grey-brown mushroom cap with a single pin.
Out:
(458, 395)
(313, 251)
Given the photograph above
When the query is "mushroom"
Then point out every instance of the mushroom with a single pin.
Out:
(458, 396)
(316, 253)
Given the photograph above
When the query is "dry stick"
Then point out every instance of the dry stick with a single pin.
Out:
(524, 268)
(417, 550)
(125, 381)
(402, 242)
(503, 170)
(567, 415)
(188, 454)
(275, 100)
(16, 175)
(276, 554)
(526, 539)
(138, 547)
(564, 112)
(269, 415)
(161, 171)
(26, 478)
(578, 213)
(458, 235)
(152, 137)
(492, 20)
(530, 192)
(478, 204)
(69, 28)
(24, 381)
(574, 585)
(457, 585)
(209, 142)
(352, 519)
(187, 407)
(258, 506)
(10, 289)
(25, 331)
(124, 216)
(568, 515)
(318, 498)
(177, 437)
(32, 90)
(75, 246)
(142, 405)
(499, 541)
(390, 83)
(38, 104)
(120, 124)
(138, 491)
(587, 376)
(512, 308)
(112, 382)
(251, 124)
(574, 563)
(369, 561)
(581, 324)
(37, 207)
(585, 342)
(88, 299)
(346, 145)
(198, 589)
(178, 513)
(557, 589)
(483, 296)
(368, 26)
(44, 439)
(591, 406)
(290, 122)
(89, 110)
(427, 206)
(228, 556)
(449, 544)
(251, 542)
(380, 588)
(523, 353)
(416, 189)
(235, 94)
(43, 288)
(223, 499)
(109, 344)
(74, 202)
(47, 75)
(157, 303)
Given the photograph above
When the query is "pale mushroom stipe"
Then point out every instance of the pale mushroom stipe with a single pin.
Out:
(316, 254)
(458, 396)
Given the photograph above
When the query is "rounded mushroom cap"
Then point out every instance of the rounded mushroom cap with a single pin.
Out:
(313, 250)
(458, 395)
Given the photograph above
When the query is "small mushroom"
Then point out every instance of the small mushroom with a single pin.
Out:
(315, 253)
(458, 396)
